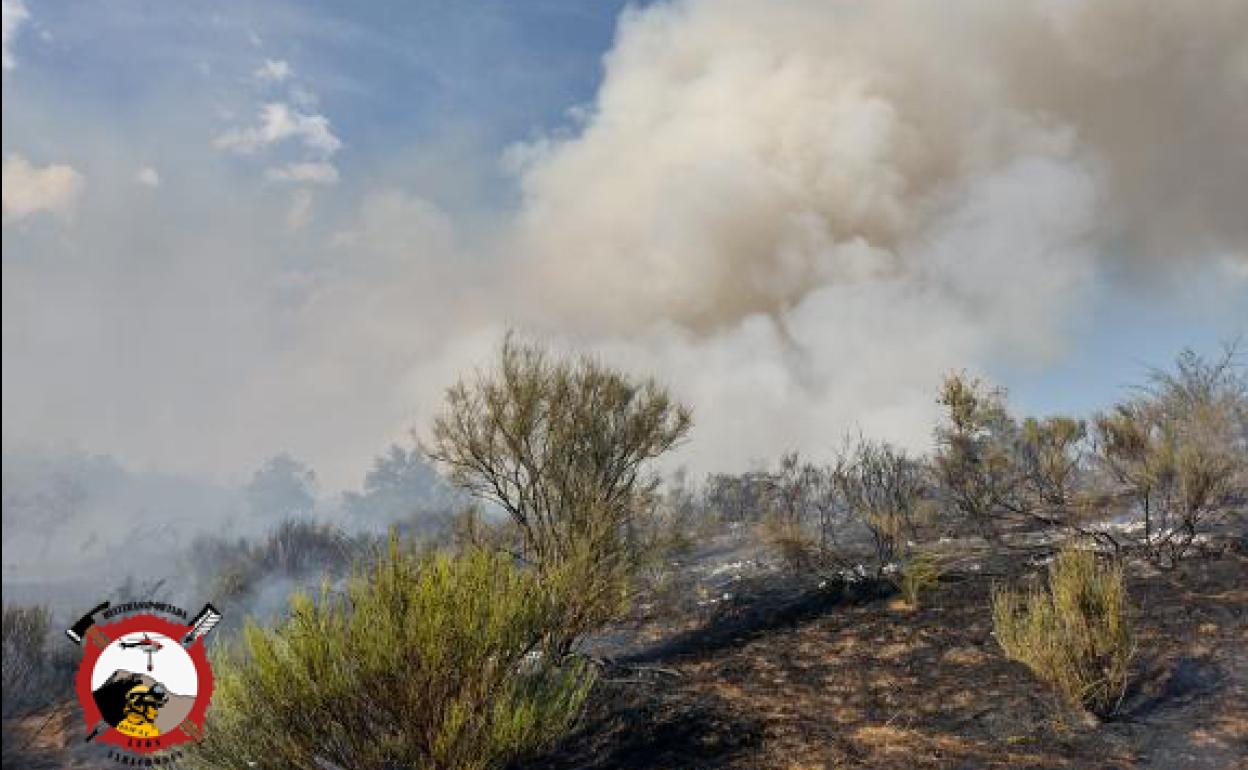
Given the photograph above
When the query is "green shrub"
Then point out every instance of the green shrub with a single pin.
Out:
(917, 575)
(589, 587)
(565, 447)
(1076, 635)
(974, 463)
(425, 662)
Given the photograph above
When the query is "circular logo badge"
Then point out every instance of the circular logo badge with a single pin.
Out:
(144, 683)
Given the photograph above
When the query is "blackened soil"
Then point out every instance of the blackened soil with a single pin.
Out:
(832, 678)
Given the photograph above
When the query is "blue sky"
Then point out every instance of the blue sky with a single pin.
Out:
(203, 283)
(390, 76)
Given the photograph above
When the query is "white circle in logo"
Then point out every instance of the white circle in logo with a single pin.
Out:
(171, 665)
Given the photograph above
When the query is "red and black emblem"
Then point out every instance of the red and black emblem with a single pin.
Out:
(144, 682)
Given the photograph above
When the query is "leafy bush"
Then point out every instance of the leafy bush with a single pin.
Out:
(590, 584)
(1051, 457)
(918, 574)
(563, 447)
(1076, 635)
(995, 471)
(975, 461)
(425, 662)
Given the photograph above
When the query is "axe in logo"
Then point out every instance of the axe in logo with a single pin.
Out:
(86, 628)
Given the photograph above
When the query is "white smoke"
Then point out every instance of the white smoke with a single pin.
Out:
(802, 213)
(798, 213)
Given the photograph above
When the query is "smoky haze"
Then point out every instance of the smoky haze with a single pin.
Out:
(798, 214)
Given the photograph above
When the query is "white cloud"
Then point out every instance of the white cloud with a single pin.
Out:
(13, 14)
(274, 71)
(29, 190)
(147, 176)
(311, 173)
(278, 122)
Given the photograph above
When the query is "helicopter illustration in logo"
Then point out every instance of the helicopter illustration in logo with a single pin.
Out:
(146, 645)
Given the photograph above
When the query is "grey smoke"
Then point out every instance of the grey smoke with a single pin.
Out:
(802, 213)
(799, 214)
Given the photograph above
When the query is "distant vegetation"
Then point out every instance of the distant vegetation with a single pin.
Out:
(459, 649)
(1147, 477)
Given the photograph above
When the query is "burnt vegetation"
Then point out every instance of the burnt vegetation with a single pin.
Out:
(537, 595)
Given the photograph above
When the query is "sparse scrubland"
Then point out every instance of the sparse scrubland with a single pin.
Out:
(580, 613)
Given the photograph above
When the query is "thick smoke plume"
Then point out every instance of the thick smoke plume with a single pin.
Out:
(798, 214)
(802, 212)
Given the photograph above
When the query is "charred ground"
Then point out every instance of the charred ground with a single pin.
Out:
(787, 675)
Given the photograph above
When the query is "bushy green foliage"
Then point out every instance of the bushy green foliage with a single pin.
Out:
(560, 445)
(1077, 634)
(917, 575)
(563, 447)
(975, 464)
(1051, 456)
(426, 662)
